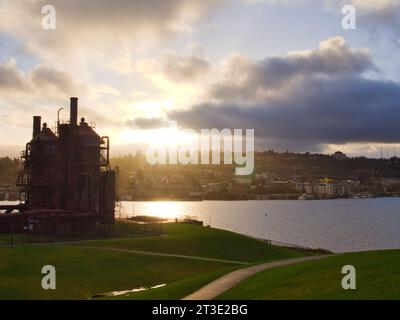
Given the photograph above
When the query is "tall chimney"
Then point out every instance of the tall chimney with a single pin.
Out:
(74, 111)
(37, 124)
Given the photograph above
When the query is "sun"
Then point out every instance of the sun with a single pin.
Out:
(166, 209)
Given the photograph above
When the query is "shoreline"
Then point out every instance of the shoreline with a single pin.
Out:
(237, 200)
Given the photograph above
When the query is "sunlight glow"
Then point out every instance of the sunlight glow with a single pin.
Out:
(158, 137)
(161, 209)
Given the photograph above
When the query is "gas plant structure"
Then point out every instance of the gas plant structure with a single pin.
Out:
(66, 182)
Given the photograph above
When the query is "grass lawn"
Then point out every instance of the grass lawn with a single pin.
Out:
(83, 272)
(204, 242)
(378, 277)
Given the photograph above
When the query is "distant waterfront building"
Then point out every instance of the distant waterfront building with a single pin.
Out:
(327, 190)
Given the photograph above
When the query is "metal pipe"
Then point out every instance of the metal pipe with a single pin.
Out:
(37, 123)
(74, 112)
(58, 116)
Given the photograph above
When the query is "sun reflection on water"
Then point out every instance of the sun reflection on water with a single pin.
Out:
(161, 209)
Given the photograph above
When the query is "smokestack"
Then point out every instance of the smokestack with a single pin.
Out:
(74, 111)
(37, 124)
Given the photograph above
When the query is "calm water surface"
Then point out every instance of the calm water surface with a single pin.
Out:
(336, 225)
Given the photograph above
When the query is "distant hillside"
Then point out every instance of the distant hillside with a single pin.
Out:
(319, 165)
(284, 165)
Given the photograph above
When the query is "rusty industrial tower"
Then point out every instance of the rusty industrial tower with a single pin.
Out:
(66, 181)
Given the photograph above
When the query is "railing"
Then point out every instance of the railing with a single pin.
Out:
(293, 246)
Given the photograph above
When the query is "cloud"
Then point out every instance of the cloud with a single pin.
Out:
(189, 66)
(304, 100)
(244, 78)
(10, 77)
(91, 25)
(37, 91)
(40, 80)
(47, 78)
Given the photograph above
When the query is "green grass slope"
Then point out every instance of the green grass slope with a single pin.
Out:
(205, 242)
(377, 277)
(83, 272)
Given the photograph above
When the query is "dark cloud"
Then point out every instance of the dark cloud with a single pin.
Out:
(340, 110)
(321, 97)
(249, 79)
(326, 111)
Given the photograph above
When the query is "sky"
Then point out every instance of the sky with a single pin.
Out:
(286, 68)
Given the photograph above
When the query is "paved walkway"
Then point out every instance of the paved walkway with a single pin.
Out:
(219, 286)
(159, 254)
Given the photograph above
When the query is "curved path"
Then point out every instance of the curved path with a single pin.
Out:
(75, 244)
(219, 286)
(160, 254)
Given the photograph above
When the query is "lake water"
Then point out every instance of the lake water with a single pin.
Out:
(337, 225)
